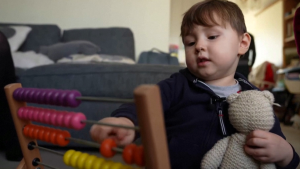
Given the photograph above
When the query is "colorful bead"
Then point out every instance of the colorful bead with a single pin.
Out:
(116, 166)
(81, 160)
(128, 153)
(76, 121)
(97, 163)
(89, 161)
(138, 156)
(74, 158)
(106, 148)
(67, 156)
(107, 164)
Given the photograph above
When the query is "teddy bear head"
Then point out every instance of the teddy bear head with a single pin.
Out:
(251, 110)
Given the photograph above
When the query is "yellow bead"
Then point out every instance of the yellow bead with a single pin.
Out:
(74, 158)
(126, 167)
(67, 156)
(81, 160)
(97, 163)
(116, 166)
(107, 164)
(89, 161)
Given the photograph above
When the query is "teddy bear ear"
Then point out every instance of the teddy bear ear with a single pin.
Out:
(268, 95)
(231, 98)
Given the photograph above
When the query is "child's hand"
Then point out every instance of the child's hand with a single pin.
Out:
(122, 136)
(268, 148)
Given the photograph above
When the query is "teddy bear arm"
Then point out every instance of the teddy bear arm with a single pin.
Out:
(213, 157)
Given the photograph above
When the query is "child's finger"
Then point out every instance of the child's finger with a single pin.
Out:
(257, 134)
(255, 152)
(256, 142)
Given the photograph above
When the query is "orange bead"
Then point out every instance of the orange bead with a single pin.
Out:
(46, 136)
(138, 156)
(53, 135)
(26, 130)
(36, 132)
(106, 148)
(31, 131)
(61, 138)
(128, 153)
(41, 133)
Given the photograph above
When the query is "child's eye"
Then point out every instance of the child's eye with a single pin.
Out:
(191, 43)
(212, 37)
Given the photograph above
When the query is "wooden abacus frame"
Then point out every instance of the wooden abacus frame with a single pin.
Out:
(151, 123)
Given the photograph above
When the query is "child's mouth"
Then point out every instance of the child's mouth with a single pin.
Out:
(202, 61)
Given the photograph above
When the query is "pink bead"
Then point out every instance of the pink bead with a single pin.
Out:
(25, 113)
(47, 117)
(35, 116)
(21, 112)
(41, 115)
(53, 118)
(60, 118)
(30, 113)
(76, 121)
(67, 119)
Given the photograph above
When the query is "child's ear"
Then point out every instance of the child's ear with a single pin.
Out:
(245, 43)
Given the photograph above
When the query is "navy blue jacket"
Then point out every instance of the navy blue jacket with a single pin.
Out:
(191, 118)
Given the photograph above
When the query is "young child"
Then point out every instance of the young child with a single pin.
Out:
(194, 99)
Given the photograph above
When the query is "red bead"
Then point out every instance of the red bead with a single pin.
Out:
(107, 146)
(61, 138)
(128, 153)
(138, 156)
(53, 135)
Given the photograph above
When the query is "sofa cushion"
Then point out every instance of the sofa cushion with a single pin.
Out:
(60, 50)
(99, 79)
(40, 35)
(112, 41)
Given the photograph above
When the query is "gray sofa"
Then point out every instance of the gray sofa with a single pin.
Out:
(94, 79)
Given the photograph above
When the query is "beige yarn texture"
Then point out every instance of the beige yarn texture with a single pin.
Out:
(248, 111)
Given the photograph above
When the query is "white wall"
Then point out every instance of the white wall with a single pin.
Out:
(148, 19)
(267, 29)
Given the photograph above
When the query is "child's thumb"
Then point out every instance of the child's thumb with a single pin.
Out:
(121, 134)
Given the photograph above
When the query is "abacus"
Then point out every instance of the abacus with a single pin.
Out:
(153, 154)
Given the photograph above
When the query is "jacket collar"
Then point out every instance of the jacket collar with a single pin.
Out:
(244, 83)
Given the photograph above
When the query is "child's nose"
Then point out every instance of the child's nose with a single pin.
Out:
(200, 46)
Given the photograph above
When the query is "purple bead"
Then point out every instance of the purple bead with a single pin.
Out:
(16, 94)
(26, 94)
(21, 94)
(76, 121)
(48, 96)
(36, 96)
(55, 98)
(30, 95)
(42, 96)
(62, 97)
(71, 98)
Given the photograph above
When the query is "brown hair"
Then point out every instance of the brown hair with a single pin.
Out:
(202, 13)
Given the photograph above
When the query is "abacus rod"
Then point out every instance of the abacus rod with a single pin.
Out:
(46, 165)
(46, 149)
(92, 144)
(89, 143)
(104, 99)
(108, 124)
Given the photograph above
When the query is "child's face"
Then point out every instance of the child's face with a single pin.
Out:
(212, 52)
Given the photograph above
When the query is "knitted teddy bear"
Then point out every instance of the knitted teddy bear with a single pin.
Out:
(248, 111)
